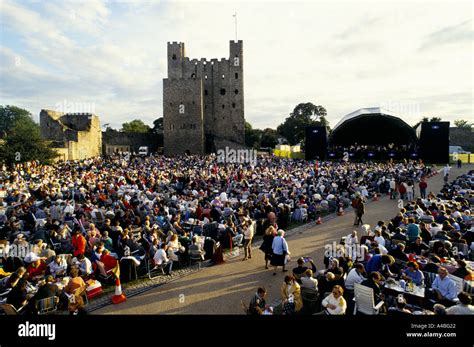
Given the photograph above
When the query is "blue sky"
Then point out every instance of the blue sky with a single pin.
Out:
(412, 57)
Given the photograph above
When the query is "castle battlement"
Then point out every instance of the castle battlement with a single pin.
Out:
(203, 100)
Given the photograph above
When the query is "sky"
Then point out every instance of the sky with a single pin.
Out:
(414, 58)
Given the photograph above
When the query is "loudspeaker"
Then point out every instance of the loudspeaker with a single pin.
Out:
(316, 143)
(434, 142)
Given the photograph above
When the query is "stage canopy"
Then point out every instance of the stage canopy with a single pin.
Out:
(372, 126)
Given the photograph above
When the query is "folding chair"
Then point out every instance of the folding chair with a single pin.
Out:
(364, 300)
(310, 299)
(56, 245)
(151, 267)
(245, 308)
(3, 295)
(10, 310)
(459, 283)
(195, 257)
(47, 305)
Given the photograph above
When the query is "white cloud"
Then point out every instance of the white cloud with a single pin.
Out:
(340, 55)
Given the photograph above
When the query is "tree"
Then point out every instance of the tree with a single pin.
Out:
(463, 124)
(9, 115)
(23, 140)
(157, 125)
(426, 120)
(269, 138)
(303, 115)
(135, 126)
(252, 136)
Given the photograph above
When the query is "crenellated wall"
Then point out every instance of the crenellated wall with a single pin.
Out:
(219, 84)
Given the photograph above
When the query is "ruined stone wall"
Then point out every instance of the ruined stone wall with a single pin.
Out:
(80, 134)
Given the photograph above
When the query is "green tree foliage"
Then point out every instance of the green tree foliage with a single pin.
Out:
(303, 115)
(22, 138)
(463, 124)
(252, 136)
(269, 138)
(426, 120)
(135, 126)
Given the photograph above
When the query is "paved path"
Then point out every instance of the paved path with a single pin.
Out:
(219, 289)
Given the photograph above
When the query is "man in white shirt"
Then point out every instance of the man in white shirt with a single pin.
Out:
(352, 239)
(69, 208)
(161, 259)
(379, 238)
(58, 266)
(334, 303)
(356, 275)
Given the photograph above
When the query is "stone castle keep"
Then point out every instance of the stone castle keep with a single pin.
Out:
(73, 135)
(203, 102)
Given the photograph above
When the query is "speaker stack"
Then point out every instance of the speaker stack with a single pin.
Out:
(434, 142)
(316, 143)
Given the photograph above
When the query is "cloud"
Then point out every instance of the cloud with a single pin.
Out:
(336, 54)
(453, 34)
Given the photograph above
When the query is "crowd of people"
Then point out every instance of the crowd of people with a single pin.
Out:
(418, 262)
(359, 152)
(123, 216)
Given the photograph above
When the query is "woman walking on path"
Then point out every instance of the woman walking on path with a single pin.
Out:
(266, 246)
(280, 251)
(359, 209)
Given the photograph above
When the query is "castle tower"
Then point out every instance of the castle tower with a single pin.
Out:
(203, 102)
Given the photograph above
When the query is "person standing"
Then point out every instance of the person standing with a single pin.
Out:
(266, 246)
(280, 251)
(248, 236)
(459, 163)
(423, 185)
(446, 170)
(359, 211)
(393, 189)
(410, 191)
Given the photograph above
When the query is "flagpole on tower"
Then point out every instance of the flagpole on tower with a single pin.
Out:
(235, 22)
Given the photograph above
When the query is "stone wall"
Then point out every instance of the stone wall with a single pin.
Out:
(113, 140)
(74, 135)
(219, 88)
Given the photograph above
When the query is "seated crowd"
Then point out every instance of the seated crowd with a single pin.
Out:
(124, 216)
(419, 262)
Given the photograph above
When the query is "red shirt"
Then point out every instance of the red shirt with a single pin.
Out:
(79, 244)
(36, 271)
(109, 261)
